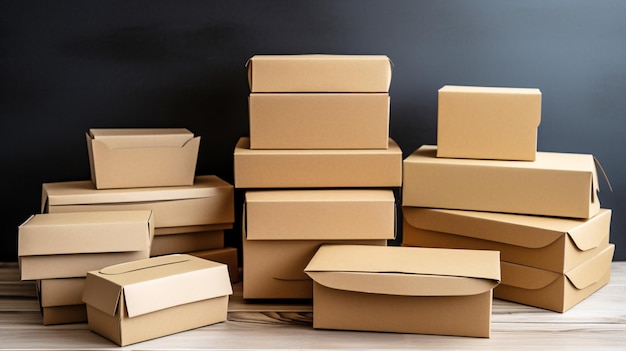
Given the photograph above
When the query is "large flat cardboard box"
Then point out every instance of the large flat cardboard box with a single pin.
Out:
(142, 157)
(551, 243)
(553, 291)
(60, 300)
(225, 255)
(319, 73)
(171, 240)
(210, 200)
(68, 245)
(319, 120)
(404, 289)
(147, 299)
(555, 184)
(317, 168)
(488, 122)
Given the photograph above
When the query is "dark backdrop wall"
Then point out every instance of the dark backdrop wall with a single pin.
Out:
(67, 66)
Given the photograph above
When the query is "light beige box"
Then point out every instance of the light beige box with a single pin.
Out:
(319, 73)
(488, 122)
(555, 184)
(171, 240)
(552, 243)
(407, 289)
(68, 245)
(142, 157)
(317, 168)
(226, 255)
(319, 120)
(147, 299)
(60, 300)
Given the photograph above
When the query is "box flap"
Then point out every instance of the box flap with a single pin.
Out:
(141, 137)
(585, 236)
(101, 294)
(526, 277)
(589, 272)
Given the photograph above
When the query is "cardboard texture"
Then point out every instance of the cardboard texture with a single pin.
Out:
(60, 300)
(409, 290)
(226, 255)
(317, 168)
(187, 242)
(550, 243)
(67, 245)
(488, 122)
(131, 158)
(69, 314)
(555, 184)
(146, 299)
(319, 121)
(319, 73)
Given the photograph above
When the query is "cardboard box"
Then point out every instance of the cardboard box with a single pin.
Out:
(551, 243)
(185, 239)
(319, 73)
(317, 168)
(67, 245)
(488, 122)
(555, 184)
(135, 157)
(319, 121)
(146, 299)
(210, 200)
(558, 292)
(226, 255)
(407, 289)
(60, 300)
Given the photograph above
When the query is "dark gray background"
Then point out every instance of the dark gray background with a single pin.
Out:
(67, 66)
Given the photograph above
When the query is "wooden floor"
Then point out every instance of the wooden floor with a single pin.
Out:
(597, 323)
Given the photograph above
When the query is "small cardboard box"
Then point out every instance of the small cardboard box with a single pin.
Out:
(185, 239)
(67, 245)
(407, 289)
(552, 243)
(61, 301)
(226, 255)
(319, 73)
(317, 168)
(135, 157)
(147, 299)
(488, 122)
(553, 291)
(319, 121)
(555, 184)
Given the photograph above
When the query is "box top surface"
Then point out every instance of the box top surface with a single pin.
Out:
(141, 137)
(97, 133)
(489, 90)
(243, 148)
(317, 195)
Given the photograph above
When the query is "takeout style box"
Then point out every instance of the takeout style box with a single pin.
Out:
(60, 300)
(67, 245)
(488, 122)
(555, 184)
(142, 157)
(407, 289)
(188, 238)
(147, 299)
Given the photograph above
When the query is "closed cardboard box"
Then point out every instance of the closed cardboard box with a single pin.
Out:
(186, 239)
(61, 301)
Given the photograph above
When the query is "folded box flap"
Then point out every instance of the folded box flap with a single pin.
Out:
(101, 294)
(588, 273)
(592, 231)
(141, 137)
(526, 277)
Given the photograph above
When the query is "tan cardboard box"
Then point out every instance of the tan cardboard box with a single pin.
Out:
(226, 255)
(60, 300)
(555, 291)
(555, 184)
(186, 239)
(319, 120)
(147, 299)
(407, 289)
(136, 157)
(319, 73)
(552, 243)
(317, 168)
(488, 122)
(67, 245)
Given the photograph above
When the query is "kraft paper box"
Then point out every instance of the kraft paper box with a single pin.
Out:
(147, 299)
(226, 255)
(319, 73)
(319, 121)
(555, 184)
(317, 168)
(186, 239)
(551, 243)
(67, 245)
(407, 289)
(60, 300)
(488, 122)
(135, 157)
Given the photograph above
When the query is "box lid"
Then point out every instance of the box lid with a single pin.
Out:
(156, 283)
(141, 137)
(408, 271)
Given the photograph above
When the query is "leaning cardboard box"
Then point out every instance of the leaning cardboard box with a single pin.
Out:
(404, 289)
(61, 300)
(147, 299)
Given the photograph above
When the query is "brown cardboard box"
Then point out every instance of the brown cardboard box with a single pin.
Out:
(317, 168)
(319, 121)
(135, 157)
(555, 291)
(488, 122)
(226, 255)
(60, 300)
(319, 73)
(555, 184)
(407, 289)
(146, 299)
(189, 238)
(551, 243)
(67, 245)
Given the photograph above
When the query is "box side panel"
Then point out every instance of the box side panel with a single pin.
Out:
(64, 314)
(182, 243)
